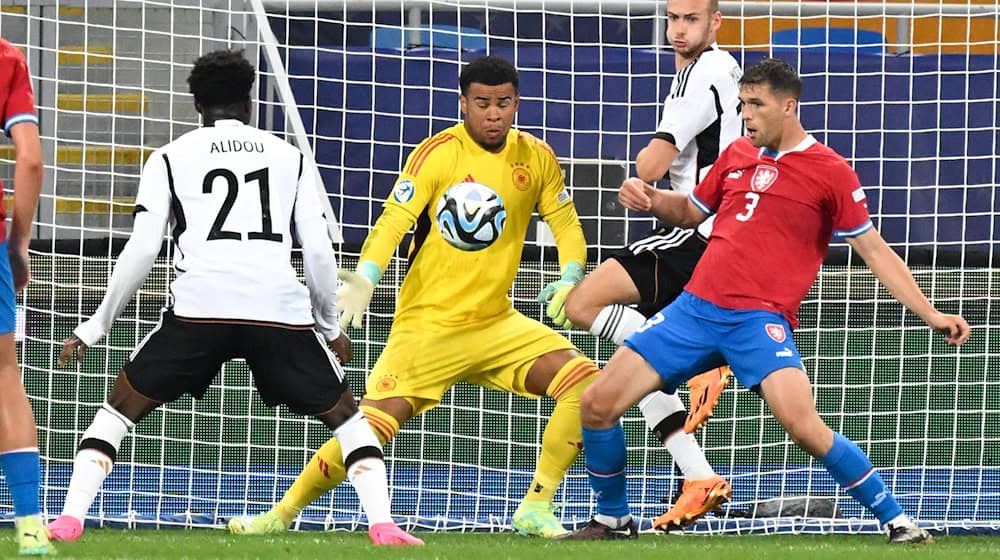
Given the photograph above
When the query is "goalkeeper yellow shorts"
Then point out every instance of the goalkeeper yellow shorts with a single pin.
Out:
(423, 363)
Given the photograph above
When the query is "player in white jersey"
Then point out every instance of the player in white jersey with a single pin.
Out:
(701, 116)
(233, 197)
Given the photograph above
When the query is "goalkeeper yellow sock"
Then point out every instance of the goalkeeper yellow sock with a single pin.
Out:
(562, 440)
(326, 468)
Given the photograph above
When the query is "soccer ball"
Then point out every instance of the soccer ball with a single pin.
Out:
(470, 216)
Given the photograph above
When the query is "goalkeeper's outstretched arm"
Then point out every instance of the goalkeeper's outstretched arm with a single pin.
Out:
(431, 160)
(565, 225)
(358, 286)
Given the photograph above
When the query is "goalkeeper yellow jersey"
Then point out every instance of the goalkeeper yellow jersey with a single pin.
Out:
(447, 286)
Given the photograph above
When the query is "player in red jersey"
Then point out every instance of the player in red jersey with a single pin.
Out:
(18, 437)
(700, 117)
(778, 196)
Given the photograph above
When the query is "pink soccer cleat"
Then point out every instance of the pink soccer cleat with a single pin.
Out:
(65, 528)
(389, 534)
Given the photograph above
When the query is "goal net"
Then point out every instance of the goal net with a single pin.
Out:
(907, 92)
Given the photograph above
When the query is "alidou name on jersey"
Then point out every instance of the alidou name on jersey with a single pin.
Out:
(232, 146)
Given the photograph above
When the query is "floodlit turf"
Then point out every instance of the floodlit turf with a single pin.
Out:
(206, 544)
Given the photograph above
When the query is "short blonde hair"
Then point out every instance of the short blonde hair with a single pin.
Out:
(713, 6)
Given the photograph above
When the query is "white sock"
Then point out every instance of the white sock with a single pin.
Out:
(902, 520)
(368, 474)
(616, 322)
(656, 407)
(689, 456)
(91, 466)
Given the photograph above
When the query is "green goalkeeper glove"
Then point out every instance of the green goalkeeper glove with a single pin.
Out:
(555, 294)
(356, 292)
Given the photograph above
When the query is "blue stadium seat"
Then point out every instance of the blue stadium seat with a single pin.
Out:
(446, 36)
(839, 39)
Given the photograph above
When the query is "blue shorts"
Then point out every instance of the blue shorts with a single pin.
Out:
(8, 303)
(692, 335)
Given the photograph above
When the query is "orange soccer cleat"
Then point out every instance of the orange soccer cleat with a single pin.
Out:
(706, 388)
(698, 498)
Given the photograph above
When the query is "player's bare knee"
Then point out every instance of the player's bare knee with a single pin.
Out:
(128, 402)
(341, 412)
(579, 309)
(545, 371)
(596, 409)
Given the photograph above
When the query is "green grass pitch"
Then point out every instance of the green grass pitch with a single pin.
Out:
(206, 544)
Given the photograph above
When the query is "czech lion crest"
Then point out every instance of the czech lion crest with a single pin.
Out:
(763, 177)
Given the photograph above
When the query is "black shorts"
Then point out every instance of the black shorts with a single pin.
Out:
(661, 264)
(290, 365)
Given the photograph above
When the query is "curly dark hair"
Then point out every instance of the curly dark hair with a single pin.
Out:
(776, 73)
(488, 70)
(221, 77)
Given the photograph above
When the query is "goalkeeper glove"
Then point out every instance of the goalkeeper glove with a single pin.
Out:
(356, 292)
(555, 294)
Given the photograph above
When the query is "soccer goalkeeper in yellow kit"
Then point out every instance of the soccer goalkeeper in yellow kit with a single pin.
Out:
(454, 320)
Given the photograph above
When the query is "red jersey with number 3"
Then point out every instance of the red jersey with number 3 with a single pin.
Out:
(775, 216)
(17, 102)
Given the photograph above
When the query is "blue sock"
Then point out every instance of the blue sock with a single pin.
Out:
(22, 469)
(604, 454)
(852, 469)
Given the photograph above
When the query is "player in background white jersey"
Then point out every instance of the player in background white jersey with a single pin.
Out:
(701, 116)
(234, 196)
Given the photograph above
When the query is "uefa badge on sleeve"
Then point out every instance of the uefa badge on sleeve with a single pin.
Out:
(403, 191)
